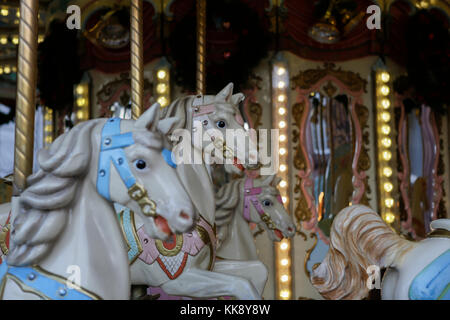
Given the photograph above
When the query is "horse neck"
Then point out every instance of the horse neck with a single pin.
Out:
(92, 242)
(240, 244)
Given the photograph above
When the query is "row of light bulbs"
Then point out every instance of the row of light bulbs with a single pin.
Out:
(7, 69)
(48, 127)
(280, 78)
(82, 102)
(14, 39)
(385, 145)
(163, 84)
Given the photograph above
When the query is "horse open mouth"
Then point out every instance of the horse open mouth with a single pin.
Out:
(238, 165)
(162, 224)
(278, 234)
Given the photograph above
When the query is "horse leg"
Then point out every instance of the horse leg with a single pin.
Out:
(197, 283)
(254, 271)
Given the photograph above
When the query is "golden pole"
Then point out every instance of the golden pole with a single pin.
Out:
(26, 93)
(137, 58)
(201, 45)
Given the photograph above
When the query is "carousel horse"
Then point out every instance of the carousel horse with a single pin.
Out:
(360, 240)
(185, 264)
(65, 219)
(240, 202)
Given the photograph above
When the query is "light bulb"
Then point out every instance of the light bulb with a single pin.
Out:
(387, 171)
(161, 74)
(388, 187)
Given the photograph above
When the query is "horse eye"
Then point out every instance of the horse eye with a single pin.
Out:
(140, 164)
(267, 203)
(221, 124)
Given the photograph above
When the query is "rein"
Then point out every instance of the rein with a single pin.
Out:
(112, 150)
(251, 197)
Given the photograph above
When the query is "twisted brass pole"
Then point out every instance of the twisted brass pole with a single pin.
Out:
(26, 93)
(201, 46)
(137, 58)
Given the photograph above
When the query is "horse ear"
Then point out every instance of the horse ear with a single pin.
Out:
(237, 98)
(267, 181)
(167, 125)
(226, 93)
(276, 181)
(149, 120)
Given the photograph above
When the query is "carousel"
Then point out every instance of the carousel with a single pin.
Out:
(226, 150)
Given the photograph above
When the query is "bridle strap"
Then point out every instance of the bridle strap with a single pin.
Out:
(111, 150)
(251, 197)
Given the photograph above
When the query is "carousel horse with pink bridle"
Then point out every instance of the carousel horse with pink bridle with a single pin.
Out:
(361, 244)
(65, 221)
(243, 201)
(186, 264)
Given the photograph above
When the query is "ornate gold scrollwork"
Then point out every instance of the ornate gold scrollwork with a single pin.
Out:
(3, 234)
(170, 252)
(308, 78)
(139, 194)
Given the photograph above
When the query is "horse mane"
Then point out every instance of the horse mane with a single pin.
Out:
(178, 109)
(359, 238)
(45, 203)
(227, 198)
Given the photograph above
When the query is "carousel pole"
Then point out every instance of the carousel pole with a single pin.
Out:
(201, 46)
(137, 58)
(26, 94)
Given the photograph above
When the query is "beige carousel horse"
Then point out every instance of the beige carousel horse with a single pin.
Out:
(247, 200)
(65, 219)
(361, 242)
(184, 265)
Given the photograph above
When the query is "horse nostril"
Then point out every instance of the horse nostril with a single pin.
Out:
(290, 229)
(184, 215)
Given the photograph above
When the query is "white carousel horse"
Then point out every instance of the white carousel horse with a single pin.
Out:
(65, 219)
(185, 260)
(184, 265)
(360, 238)
(240, 202)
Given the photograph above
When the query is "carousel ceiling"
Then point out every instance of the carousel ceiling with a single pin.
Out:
(330, 30)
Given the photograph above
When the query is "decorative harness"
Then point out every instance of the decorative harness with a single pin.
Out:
(51, 286)
(200, 112)
(112, 150)
(251, 197)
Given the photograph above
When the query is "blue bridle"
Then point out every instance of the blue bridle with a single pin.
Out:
(112, 150)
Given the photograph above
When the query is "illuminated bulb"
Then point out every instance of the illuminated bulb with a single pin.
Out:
(281, 98)
(81, 102)
(384, 90)
(161, 88)
(48, 128)
(388, 187)
(387, 171)
(283, 246)
(4, 12)
(281, 71)
(284, 278)
(48, 139)
(385, 103)
(282, 151)
(283, 184)
(18, 13)
(384, 76)
(282, 111)
(387, 155)
(14, 69)
(282, 124)
(3, 40)
(161, 74)
(163, 101)
(282, 138)
(386, 129)
(80, 115)
(281, 84)
(285, 294)
(15, 40)
(385, 116)
(284, 199)
(389, 202)
(282, 168)
(284, 262)
(386, 142)
(80, 90)
(7, 69)
(40, 38)
(389, 217)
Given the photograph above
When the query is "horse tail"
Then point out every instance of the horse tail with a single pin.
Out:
(359, 238)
